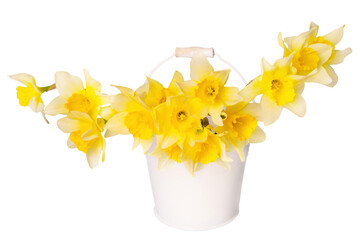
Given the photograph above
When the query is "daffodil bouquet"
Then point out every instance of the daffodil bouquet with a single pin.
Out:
(191, 122)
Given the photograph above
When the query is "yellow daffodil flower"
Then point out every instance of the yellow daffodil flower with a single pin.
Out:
(241, 127)
(282, 88)
(206, 92)
(74, 97)
(175, 122)
(313, 52)
(30, 95)
(166, 156)
(153, 93)
(85, 135)
(132, 117)
(209, 149)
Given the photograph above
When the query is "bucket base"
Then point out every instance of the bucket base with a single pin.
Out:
(194, 228)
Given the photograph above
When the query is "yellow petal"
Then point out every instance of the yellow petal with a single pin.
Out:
(230, 95)
(200, 67)
(266, 66)
(67, 84)
(222, 76)
(56, 106)
(116, 124)
(298, 106)
(90, 82)
(338, 56)
(197, 107)
(271, 110)
(122, 102)
(174, 87)
(215, 113)
(124, 90)
(335, 36)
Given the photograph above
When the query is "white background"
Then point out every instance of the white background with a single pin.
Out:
(302, 183)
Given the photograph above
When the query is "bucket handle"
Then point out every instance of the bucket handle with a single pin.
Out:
(190, 52)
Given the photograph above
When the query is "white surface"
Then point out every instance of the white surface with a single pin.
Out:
(207, 200)
(302, 183)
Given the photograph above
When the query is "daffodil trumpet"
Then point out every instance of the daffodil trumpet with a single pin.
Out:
(196, 120)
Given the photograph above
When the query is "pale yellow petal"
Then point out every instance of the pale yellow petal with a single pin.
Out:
(338, 56)
(215, 113)
(146, 144)
(68, 84)
(93, 154)
(25, 79)
(107, 112)
(324, 52)
(109, 133)
(298, 106)
(320, 76)
(164, 163)
(223, 164)
(116, 124)
(36, 104)
(190, 166)
(255, 110)
(68, 125)
(80, 116)
(257, 136)
(91, 82)
(331, 72)
(188, 87)
(300, 41)
(271, 110)
(57, 106)
(70, 143)
(170, 139)
(90, 134)
(230, 95)
(335, 36)
(314, 26)
(200, 67)
(239, 148)
(136, 143)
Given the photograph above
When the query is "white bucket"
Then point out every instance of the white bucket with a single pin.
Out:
(207, 200)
